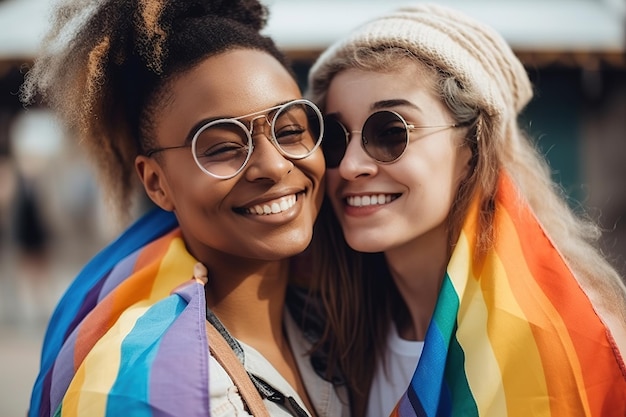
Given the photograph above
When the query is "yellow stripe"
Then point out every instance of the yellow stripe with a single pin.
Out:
(549, 320)
(483, 374)
(512, 340)
(173, 270)
(69, 405)
(88, 391)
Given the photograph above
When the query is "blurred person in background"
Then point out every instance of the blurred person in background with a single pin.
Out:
(30, 232)
(31, 238)
(33, 146)
(466, 286)
(190, 98)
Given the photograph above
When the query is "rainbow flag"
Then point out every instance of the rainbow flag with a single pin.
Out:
(128, 338)
(513, 334)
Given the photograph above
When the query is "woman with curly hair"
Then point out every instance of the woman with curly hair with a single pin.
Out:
(184, 314)
(469, 288)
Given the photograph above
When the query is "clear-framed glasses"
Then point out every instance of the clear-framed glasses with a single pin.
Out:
(222, 147)
(384, 137)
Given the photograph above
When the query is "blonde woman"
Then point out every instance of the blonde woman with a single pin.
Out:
(469, 288)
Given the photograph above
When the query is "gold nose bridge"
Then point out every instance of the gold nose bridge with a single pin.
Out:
(252, 123)
(350, 133)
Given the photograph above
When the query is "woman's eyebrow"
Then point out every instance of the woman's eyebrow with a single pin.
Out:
(385, 104)
(198, 125)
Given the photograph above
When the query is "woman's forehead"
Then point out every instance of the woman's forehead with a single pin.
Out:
(241, 81)
(230, 84)
(365, 90)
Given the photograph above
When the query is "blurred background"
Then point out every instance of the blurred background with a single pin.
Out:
(52, 215)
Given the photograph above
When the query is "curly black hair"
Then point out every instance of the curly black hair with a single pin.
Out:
(105, 64)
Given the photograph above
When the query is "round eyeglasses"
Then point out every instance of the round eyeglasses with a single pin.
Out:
(222, 147)
(384, 137)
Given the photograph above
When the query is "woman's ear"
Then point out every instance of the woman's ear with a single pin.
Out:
(154, 182)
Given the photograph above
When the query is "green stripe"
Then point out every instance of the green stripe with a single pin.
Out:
(456, 385)
(463, 403)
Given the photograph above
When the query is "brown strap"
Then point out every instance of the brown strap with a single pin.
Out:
(226, 357)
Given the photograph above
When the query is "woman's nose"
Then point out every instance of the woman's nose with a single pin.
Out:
(356, 163)
(266, 161)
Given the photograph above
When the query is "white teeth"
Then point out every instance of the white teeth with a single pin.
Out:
(275, 207)
(369, 200)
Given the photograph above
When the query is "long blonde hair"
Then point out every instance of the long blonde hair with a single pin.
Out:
(360, 297)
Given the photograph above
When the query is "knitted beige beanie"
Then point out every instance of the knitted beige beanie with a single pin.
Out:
(476, 55)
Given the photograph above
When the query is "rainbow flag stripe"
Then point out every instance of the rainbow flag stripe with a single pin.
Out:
(128, 338)
(513, 334)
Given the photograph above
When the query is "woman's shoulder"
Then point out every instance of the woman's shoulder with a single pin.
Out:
(224, 398)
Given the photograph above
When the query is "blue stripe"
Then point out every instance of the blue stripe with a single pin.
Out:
(130, 392)
(151, 226)
(428, 380)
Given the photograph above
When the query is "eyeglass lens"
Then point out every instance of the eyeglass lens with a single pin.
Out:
(384, 138)
(223, 147)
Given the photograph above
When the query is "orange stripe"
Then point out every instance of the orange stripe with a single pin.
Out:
(557, 356)
(579, 361)
(135, 288)
(139, 285)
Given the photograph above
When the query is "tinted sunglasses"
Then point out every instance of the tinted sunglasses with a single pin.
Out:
(384, 137)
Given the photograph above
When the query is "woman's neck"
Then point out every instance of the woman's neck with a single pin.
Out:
(249, 298)
(417, 269)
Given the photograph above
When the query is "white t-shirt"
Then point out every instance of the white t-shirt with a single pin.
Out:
(225, 401)
(393, 374)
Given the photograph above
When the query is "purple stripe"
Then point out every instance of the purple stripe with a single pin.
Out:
(63, 370)
(405, 408)
(179, 380)
(119, 273)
